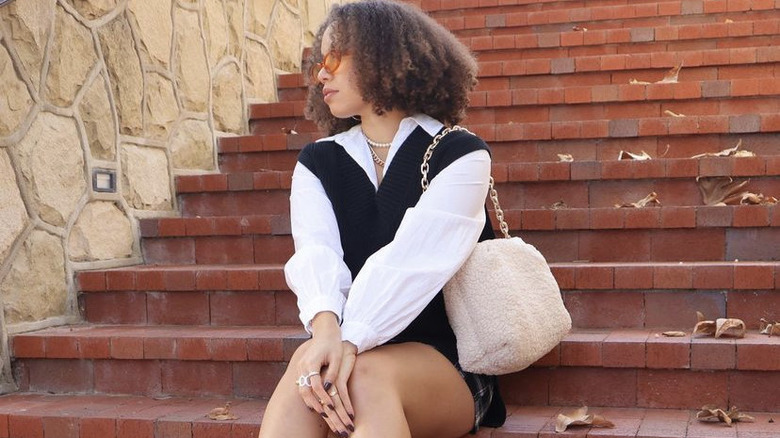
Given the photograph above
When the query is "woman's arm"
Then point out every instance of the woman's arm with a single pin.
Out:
(316, 272)
(434, 239)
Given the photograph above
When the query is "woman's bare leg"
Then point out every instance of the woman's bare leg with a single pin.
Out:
(286, 415)
(409, 390)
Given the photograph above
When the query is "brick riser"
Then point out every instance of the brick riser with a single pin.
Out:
(590, 308)
(561, 245)
(35, 415)
(248, 362)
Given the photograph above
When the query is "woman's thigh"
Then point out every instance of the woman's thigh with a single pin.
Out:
(410, 386)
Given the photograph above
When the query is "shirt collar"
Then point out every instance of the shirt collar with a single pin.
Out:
(354, 135)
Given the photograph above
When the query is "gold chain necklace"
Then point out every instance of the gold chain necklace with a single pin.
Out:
(376, 158)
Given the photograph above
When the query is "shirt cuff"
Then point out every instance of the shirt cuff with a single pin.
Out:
(326, 303)
(363, 336)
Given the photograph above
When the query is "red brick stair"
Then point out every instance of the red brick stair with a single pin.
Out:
(209, 318)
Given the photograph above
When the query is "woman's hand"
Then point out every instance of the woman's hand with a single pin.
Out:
(319, 368)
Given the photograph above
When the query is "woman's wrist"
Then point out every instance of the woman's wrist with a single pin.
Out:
(325, 324)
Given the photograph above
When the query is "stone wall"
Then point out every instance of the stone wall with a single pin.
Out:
(141, 88)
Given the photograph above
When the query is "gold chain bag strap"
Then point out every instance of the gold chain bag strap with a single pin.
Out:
(503, 304)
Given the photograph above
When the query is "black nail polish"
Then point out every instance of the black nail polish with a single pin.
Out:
(343, 434)
(351, 417)
(331, 407)
(328, 385)
(351, 427)
(324, 415)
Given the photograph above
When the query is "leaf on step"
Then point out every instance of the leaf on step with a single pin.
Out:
(558, 205)
(565, 158)
(289, 131)
(671, 76)
(625, 155)
(721, 326)
(580, 417)
(674, 334)
(652, 198)
(757, 199)
(636, 82)
(673, 114)
(713, 413)
(222, 413)
(720, 190)
(730, 152)
(579, 29)
(728, 20)
(729, 326)
(769, 328)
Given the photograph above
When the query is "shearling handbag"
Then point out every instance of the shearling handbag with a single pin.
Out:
(503, 304)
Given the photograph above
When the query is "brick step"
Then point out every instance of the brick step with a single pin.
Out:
(98, 416)
(642, 30)
(236, 158)
(518, 192)
(741, 275)
(486, 18)
(664, 298)
(248, 362)
(437, 7)
(607, 348)
(498, 103)
(563, 48)
(629, 127)
(570, 234)
(513, 67)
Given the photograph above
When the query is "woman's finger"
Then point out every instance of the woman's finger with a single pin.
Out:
(311, 401)
(334, 421)
(345, 371)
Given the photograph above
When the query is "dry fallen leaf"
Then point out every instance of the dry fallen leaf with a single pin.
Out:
(769, 328)
(222, 413)
(720, 190)
(580, 417)
(636, 82)
(757, 199)
(674, 334)
(671, 76)
(721, 326)
(559, 205)
(728, 20)
(625, 155)
(565, 158)
(732, 326)
(673, 114)
(579, 29)
(730, 152)
(652, 198)
(713, 413)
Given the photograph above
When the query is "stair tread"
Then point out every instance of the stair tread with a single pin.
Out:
(607, 347)
(179, 416)
(708, 275)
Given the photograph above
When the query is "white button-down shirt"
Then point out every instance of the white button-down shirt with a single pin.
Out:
(399, 280)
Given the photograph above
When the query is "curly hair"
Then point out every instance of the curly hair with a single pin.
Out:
(406, 62)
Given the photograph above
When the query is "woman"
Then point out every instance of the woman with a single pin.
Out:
(372, 252)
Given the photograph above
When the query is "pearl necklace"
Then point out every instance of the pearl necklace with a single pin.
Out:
(375, 143)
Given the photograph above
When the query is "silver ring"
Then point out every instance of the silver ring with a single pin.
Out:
(305, 380)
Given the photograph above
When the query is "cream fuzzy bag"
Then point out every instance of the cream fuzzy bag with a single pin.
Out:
(504, 304)
(505, 308)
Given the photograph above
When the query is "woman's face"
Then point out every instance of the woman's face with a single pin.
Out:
(339, 86)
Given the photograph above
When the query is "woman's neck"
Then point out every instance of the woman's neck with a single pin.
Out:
(381, 129)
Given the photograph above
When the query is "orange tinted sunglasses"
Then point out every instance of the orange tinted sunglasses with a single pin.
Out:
(330, 62)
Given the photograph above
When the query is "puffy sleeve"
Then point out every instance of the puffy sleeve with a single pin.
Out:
(316, 273)
(434, 239)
